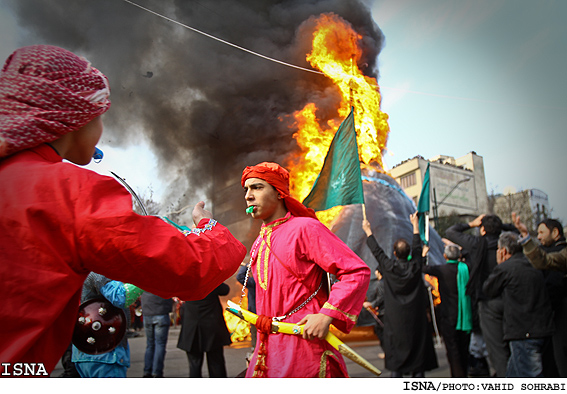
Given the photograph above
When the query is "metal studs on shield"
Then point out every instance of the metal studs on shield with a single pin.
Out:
(100, 327)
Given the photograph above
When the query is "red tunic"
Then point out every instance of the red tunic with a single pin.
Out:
(287, 272)
(58, 223)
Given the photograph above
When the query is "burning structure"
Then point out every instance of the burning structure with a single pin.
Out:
(209, 109)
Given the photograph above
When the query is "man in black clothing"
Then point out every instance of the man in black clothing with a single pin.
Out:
(408, 341)
(528, 318)
(455, 319)
(203, 330)
(550, 235)
(375, 301)
(487, 314)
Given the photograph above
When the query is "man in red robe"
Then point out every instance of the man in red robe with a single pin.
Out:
(289, 261)
(59, 221)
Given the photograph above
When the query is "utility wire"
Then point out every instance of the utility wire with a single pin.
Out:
(223, 41)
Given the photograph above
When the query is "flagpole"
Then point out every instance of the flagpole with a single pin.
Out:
(427, 227)
(435, 328)
(352, 109)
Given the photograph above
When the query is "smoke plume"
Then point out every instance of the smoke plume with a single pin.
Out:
(207, 108)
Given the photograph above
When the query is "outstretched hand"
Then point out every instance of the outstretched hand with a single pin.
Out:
(367, 227)
(199, 213)
(316, 326)
(522, 228)
(415, 222)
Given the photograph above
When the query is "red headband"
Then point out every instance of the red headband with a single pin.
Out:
(46, 92)
(278, 177)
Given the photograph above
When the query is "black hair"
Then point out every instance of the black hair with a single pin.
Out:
(402, 249)
(551, 224)
(492, 224)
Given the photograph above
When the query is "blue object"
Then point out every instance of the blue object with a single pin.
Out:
(98, 155)
(116, 362)
(156, 328)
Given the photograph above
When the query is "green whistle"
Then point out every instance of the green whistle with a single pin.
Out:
(250, 209)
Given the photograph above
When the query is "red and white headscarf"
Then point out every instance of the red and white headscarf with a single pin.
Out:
(278, 177)
(46, 92)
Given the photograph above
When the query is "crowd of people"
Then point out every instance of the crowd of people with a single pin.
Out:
(511, 299)
(71, 235)
(503, 300)
(62, 224)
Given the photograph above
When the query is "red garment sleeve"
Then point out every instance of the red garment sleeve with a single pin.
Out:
(334, 256)
(145, 250)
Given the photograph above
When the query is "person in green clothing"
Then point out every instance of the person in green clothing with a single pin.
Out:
(455, 310)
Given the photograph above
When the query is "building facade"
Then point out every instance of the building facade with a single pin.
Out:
(457, 186)
(532, 205)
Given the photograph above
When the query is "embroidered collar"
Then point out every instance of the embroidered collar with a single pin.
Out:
(264, 247)
(275, 223)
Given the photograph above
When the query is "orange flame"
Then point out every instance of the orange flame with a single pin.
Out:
(335, 52)
(434, 288)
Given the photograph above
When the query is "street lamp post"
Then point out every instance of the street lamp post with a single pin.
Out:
(436, 205)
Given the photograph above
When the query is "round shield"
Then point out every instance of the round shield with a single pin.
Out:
(100, 326)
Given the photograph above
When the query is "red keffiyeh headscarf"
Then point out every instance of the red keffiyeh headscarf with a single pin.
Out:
(46, 92)
(278, 177)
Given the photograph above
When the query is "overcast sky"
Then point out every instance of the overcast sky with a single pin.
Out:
(484, 76)
(456, 76)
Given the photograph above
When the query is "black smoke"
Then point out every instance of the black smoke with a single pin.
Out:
(208, 109)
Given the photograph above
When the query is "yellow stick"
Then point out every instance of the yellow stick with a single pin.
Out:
(294, 329)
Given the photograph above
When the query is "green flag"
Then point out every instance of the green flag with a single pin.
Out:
(339, 182)
(423, 208)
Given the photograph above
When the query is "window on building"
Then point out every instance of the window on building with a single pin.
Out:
(408, 180)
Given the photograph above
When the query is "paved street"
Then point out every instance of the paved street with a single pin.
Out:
(176, 365)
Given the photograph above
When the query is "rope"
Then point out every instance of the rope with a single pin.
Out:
(264, 326)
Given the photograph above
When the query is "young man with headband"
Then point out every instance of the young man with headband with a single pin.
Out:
(288, 262)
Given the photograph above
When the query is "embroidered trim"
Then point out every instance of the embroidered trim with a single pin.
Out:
(198, 231)
(263, 255)
(353, 318)
(323, 365)
(262, 258)
(186, 230)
